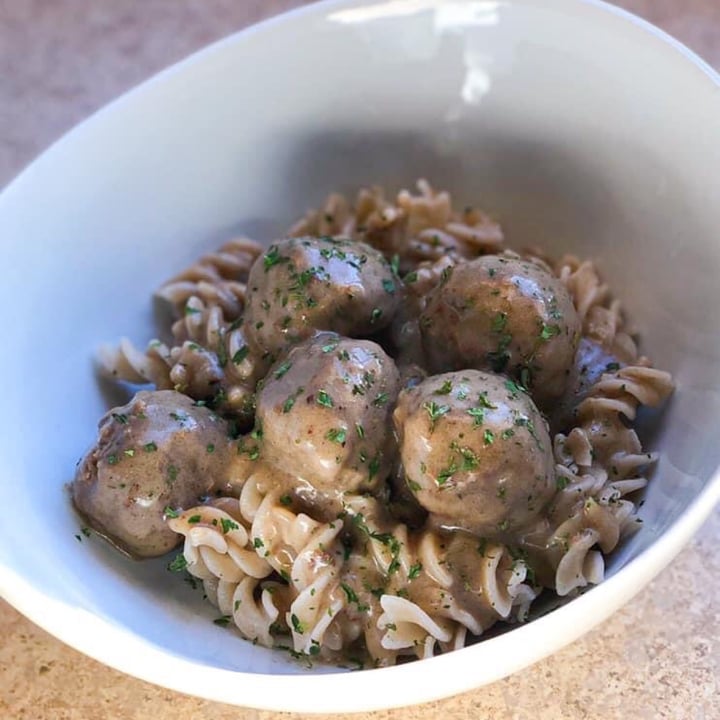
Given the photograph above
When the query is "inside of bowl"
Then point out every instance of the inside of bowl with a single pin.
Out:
(578, 131)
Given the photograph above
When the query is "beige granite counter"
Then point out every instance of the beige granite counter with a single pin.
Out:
(657, 658)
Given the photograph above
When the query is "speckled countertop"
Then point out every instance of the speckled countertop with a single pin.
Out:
(657, 658)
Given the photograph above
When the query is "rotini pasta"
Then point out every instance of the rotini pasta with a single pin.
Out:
(377, 500)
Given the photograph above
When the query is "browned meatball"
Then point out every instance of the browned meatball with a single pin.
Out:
(476, 451)
(591, 362)
(507, 315)
(160, 450)
(325, 411)
(301, 285)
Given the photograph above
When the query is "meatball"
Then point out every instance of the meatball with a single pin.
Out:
(160, 450)
(591, 362)
(324, 412)
(301, 285)
(507, 315)
(476, 451)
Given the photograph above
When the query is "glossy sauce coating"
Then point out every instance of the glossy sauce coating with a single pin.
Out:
(302, 285)
(160, 450)
(506, 315)
(324, 411)
(476, 452)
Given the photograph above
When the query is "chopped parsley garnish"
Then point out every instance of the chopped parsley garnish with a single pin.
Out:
(120, 418)
(329, 347)
(150, 447)
(240, 355)
(113, 459)
(194, 519)
(373, 467)
(478, 415)
(322, 398)
(395, 265)
(561, 482)
(507, 433)
(210, 448)
(350, 593)
(285, 500)
(228, 525)
(258, 543)
(172, 472)
(360, 430)
(389, 286)
(298, 627)
(612, 367)
(415, 570)
(375, 315)
(499, 322)
(169, 512)
(488, 437)
(283, 368)
(444, 389)
(273, 257)
(435, 412)
(411, 277)
(380, 400)
(336, 435)
(549, 331)
(178, 564)
(222, 621)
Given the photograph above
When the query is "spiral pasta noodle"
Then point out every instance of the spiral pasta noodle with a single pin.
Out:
(416, 228)
(218, 279)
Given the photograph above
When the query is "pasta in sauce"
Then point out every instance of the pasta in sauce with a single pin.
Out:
(379, 436)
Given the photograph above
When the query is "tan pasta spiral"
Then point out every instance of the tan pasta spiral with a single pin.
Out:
(218, 279)
(415, 227)
(599, 462)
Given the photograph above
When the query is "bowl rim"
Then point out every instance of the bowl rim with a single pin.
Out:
(375, 689)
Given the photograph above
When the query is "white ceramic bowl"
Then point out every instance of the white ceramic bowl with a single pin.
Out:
(576, 124)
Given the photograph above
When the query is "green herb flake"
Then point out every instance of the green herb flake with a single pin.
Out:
(336, 435)
(612, 367)
(499, 322)
(389, 286)
(488, 437)
(507, 433)
(222, 621)
(380, 400)
(272, 257)
(395, 265)
(549, 331)
(478, 415)
(178, 564)
(298, 627)
(435, 412)
(194, 519)
(113, 459)
(282, 369)
(258, 543)
(210, 448)
(360, 430)
(228, 525)
(129, 453)
(120, 418)
(323, 399)
(415, 570)
(240, 355)
(444, 389)
(169, 512)
(561, 482)
(411, 277)
(172, 472)
(350, 593)
(375, 315)
(150, 447)
(285, 500)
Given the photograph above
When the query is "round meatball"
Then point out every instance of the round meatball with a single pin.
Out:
(158, 451)
(476, 451)
(324, 412)
(301, 285)
(507, 315)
